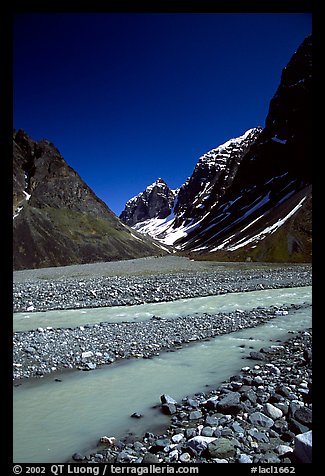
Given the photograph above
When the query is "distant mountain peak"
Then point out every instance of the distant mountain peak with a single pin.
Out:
(156, 201)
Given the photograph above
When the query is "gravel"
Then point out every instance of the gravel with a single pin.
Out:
(41, 290)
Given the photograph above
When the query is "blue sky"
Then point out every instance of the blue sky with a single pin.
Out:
(128, 98)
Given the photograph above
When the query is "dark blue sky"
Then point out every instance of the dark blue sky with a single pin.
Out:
(128, 98)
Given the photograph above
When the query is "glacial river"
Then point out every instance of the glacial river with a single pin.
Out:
(24, 321)
(53, 420)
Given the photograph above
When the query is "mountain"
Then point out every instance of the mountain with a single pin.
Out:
(156, 201)
(252, 200)
(57, 219)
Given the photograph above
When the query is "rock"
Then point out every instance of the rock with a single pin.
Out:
(86, 355)
(256, 355)
(244, 459)
(77, 457)
(107, 440)
(167, 399)
(173, 455)
(149, 458)
(195, 415)
(258, 418)
(160, 445)
(230, 404)
(207, 431)
(211, 420)
(168, 408)
(190, 433)
(304, 415)
(303, 447)
(297, 427)
(211, 403)
(136, 415)
(177, 438)
(90, 366)
(221, 448)
(185, 458)
(272, 411)
(199, 443)
(283, 449)
(258, 435)
(258, 380)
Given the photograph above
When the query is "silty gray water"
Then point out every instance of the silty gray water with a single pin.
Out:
(25, 321)
(52, 420)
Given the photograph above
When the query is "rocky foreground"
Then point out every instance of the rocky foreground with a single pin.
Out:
(261, 415)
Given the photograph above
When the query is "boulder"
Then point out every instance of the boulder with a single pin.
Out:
(272, 411)
(303, 447)
(258, 418)
(230, 404)
(221, 448)
(167, 399)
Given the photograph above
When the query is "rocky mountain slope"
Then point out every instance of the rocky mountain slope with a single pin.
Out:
(57, 218)
(251, 197)
(156, 201)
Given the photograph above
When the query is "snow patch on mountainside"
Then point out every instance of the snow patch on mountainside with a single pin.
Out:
(259, 236)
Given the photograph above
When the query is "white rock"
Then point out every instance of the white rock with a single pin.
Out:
(173, 455)
(272, 411)
(87, 354)
(185, 457)
(30, 308)
(177, 438)
(283, 449)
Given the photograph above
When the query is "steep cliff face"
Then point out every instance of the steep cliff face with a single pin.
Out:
(211, 178)
(156, 201)
(58, 220)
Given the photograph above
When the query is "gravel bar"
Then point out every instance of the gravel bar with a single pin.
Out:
(45, 350)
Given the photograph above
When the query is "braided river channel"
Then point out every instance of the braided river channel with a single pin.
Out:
(63, 413)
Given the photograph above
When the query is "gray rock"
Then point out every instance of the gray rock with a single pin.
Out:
(272, 411)
(199, 443)
(77, 457)
(256, 355)
(258, 418)
(283, 449)
(185, 458)
(221, 448)
(207, 431)
(244, 459)
(195, 415)
(305, 416)
(167, 399)
(150, 458)
(168, 408)
(296, 427)
(211, 420)
(303, 447)
(230, 404)
(258, 435)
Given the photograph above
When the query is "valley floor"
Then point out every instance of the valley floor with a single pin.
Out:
(265, 406)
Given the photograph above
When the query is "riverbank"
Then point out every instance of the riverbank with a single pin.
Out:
(146, 281)
(254, 417)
